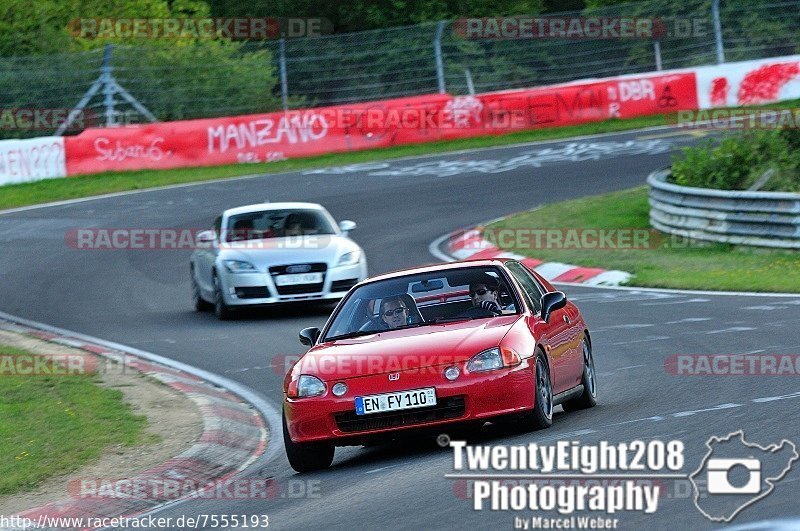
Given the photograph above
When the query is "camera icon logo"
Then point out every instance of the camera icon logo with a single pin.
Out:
(736, 473)
(718, 477)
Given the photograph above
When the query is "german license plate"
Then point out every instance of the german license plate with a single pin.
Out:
(299, 278)
(396, 401)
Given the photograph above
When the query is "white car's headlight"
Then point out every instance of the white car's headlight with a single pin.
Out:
(349, 258)
(493, 359)
(310, 386)
(239, 266)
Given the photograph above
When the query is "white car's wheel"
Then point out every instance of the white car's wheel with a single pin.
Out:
(200, 304)
(221, 310)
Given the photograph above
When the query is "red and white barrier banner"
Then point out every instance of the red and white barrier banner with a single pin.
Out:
(253, 138)
(749, 82)
(278, 136)
(31, 159)
(576, 103)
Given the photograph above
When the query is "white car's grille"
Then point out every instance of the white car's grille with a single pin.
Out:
(288, 269)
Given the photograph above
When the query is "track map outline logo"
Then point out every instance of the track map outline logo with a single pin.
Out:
(716, 498)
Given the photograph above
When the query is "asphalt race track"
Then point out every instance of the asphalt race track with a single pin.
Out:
(141, 299)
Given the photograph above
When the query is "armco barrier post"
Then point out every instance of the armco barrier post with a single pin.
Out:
(284, 80)
(718, 32)
(437, 52)
(470, 85)
(657, 53)
(108, 86)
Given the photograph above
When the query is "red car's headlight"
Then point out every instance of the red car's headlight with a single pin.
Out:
(493, 359)
(305, 386)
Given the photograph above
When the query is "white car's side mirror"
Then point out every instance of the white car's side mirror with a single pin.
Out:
(346, 225)
(206, 236)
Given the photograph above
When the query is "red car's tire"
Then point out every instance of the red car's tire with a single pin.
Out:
(588, 398)
(542, 415)
(307, 457)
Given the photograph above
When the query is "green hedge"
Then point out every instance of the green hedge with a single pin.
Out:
(736, 162)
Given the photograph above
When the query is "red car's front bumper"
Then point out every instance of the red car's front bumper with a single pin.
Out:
(470, 397)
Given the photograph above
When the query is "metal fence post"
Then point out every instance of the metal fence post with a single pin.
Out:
(284, 81)
(470, 85)
(657, 53)
(437, 52)
(108, 85)
(718, 32)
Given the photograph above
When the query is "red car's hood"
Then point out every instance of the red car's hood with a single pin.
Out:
(404, 350)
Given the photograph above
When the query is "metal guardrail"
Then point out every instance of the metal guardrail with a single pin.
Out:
(763, 219)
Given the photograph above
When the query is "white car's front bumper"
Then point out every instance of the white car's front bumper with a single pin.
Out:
(245, 289)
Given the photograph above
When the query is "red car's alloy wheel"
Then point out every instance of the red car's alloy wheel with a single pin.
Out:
(542, 414)
(588, 398)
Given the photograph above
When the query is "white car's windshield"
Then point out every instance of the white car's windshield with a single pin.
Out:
(277, 224)
(425, 298)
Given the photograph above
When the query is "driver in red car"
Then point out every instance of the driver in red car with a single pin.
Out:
(485, 297)
(394, 312)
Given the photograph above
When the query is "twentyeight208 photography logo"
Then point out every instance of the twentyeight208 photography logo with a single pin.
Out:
(735, 474)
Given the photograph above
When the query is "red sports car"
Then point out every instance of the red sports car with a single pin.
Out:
(426, 349)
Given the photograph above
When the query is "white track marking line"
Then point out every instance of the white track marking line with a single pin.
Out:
(647, 339)
(696, 411)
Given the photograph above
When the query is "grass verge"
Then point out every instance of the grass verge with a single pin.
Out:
(52, 425)
(669, 265)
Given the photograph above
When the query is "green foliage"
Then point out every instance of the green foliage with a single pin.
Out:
(33, 27)
(737, 162)
(200, 79)
(173, 78)
(358, 15)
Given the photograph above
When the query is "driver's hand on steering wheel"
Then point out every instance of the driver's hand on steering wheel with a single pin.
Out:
(491, 306)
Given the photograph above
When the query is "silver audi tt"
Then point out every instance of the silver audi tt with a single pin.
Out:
(274, 252)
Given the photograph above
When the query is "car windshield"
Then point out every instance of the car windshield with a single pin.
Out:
(277, 224)
(424, 299)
